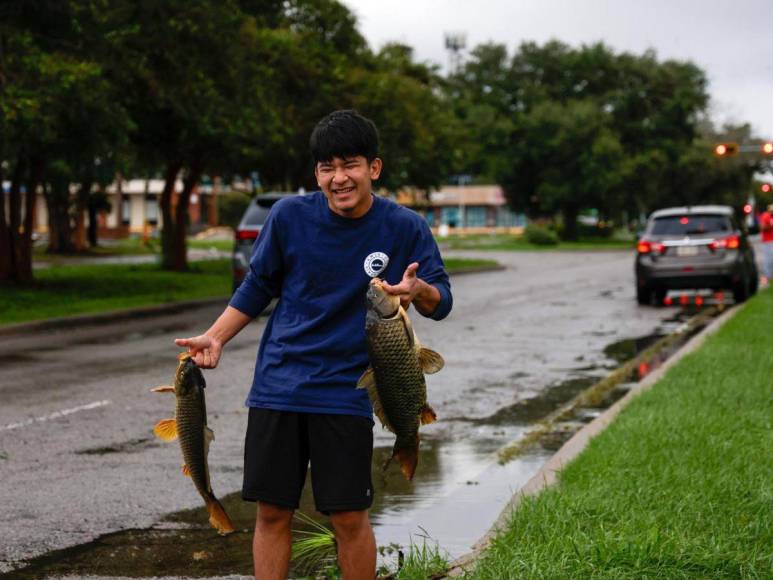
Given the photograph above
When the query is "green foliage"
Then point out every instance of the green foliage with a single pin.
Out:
(314, 553)
(231, 206)
(540, 236)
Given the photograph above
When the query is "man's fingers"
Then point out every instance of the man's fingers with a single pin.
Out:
(182, 341)
(410, 271)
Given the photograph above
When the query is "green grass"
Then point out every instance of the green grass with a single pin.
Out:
(66, 290)
(679, 486)
(518, 243)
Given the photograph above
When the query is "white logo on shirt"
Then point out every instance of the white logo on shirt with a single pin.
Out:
(375, 263)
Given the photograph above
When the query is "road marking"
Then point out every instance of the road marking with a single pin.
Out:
(55, 415)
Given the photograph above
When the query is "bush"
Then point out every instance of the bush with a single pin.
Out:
(540, 236)
(231, 206)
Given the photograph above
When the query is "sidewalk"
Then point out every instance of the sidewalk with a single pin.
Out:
(678, 486)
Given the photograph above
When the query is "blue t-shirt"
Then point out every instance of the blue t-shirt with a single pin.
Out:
(319, 265)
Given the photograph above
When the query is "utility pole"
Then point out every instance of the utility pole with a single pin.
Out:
(456, 42)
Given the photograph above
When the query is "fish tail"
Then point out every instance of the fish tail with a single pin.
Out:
(406, 451)
(218, 518)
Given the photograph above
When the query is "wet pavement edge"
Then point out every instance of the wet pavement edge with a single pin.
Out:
(547, 475)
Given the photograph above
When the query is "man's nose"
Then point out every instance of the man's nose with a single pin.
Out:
(340, 175)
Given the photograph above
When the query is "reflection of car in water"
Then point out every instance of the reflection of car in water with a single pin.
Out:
(694, 248)
(248, 231)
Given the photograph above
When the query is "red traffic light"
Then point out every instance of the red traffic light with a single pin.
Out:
(747, 209)
(726, 149)
(767, 148)
(765, 188)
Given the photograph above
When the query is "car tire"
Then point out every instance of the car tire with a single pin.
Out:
(643, 295)
(741, 290)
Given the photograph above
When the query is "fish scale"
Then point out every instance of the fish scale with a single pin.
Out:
(189, 426)
(395, 378)
(401, 385)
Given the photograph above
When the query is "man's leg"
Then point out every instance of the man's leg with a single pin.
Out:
(356, 544)
(271, 543)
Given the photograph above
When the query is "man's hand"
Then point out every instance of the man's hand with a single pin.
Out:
(408, 286)
(414, 290)
(204, 349)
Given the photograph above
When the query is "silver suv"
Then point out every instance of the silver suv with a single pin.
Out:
(248, 231)
(694, 247)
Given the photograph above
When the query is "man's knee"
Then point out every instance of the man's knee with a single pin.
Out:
(272, 516)
(350, 524)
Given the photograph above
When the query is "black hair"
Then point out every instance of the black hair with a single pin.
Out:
(344, 134)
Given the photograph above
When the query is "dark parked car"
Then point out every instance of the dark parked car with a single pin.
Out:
(248, 231)
(694, 248)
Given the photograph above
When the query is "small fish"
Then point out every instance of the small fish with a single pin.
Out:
(190, 426)
(395, 377)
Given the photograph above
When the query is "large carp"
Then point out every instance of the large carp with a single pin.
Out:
(395, 378)
(189, 425)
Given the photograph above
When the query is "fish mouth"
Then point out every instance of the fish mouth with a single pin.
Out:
(383, 304)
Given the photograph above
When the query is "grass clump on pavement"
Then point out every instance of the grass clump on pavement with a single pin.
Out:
(679, 486)
(81, 289)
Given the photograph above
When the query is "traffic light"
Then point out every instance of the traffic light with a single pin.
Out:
(747, 208)
(726, 149)
(765, 188)
(767, 148)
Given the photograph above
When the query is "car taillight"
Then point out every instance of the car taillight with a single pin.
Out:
(646, 247)
(246, 234)
(730, 243)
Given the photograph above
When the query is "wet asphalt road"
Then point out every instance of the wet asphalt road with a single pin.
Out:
(77, 456)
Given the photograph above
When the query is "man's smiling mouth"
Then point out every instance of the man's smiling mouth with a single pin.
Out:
(344, 190)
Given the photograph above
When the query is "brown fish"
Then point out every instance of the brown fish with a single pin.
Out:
(395, 378)
(190, 426)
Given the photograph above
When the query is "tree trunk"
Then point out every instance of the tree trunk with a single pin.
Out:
(59, 227)
(570, 214)
(81, 207)
(167, 215)
(192, 177)
(5, 235)
(24, 266)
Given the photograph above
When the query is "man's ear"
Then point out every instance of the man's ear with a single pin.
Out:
(375, 168)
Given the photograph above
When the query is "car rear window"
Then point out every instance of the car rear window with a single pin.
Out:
(690, 225)
(257, 212)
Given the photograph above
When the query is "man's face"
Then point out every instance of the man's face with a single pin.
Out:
(346, 182)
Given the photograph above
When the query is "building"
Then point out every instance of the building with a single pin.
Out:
(465, 209)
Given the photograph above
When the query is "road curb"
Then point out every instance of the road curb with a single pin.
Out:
(548, 473)
(108, 317)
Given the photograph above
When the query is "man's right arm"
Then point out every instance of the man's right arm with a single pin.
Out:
(207, 348)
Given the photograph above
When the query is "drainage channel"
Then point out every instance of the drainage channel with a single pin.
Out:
(461, 487)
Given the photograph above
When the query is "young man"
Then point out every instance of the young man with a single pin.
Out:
(317, 255)
(766, 227)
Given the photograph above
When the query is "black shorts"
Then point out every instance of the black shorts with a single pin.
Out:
(280, 444)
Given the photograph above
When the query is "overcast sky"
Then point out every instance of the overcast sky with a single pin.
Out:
(729, 40)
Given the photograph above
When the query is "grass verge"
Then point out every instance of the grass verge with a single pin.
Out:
(82, 289)
(679, 486)
(87, 289)
(519, 243)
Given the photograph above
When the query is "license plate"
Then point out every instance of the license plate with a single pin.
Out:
(687, 250)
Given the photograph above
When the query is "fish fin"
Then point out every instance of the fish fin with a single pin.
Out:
(407, 455)
(427, 415)
(163, 389)
(367, 379)
(209, 437)
(166, 429)
(408, 326)
(209, 434)
(186, 471)
(430, 361)
(218, 517)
